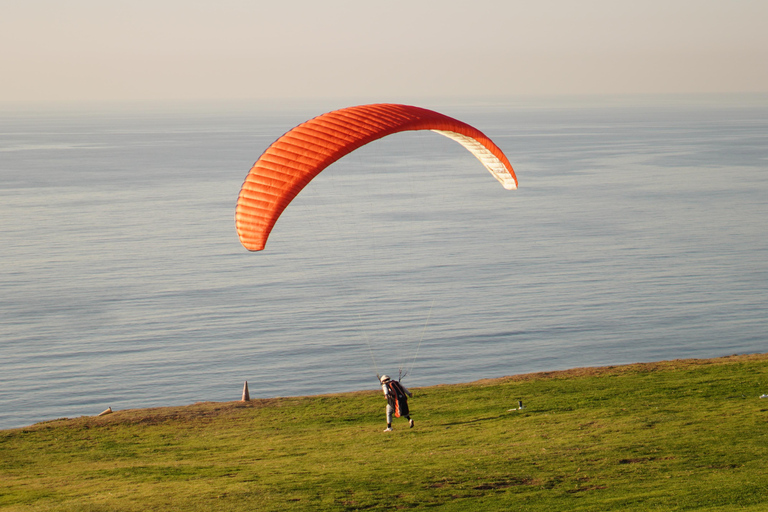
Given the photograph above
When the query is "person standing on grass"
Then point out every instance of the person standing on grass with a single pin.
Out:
(397, 401)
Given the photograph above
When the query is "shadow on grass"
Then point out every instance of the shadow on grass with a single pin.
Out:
(467, 422)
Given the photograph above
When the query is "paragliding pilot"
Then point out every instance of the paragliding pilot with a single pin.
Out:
(397, 401)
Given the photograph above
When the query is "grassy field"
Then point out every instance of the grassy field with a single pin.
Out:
(675, 435)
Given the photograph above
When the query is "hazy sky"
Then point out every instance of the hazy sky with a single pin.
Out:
(384, 50)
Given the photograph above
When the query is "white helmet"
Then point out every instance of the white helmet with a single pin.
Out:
(384, 378)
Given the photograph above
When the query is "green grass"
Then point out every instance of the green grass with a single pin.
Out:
(677, 435)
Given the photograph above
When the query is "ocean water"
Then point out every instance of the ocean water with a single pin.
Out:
(638, 233)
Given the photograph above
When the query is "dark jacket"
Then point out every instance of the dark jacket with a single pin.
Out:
(397, 397)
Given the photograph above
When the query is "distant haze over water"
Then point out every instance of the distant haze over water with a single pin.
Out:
(638, 233)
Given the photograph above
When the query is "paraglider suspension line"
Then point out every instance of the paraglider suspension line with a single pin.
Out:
(424, 330)
(368, 342)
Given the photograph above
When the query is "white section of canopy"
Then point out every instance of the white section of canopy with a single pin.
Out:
(488, 159)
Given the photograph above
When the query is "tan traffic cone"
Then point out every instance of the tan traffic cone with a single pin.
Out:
(246, 395)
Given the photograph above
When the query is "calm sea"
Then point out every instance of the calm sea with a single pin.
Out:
(639, 233)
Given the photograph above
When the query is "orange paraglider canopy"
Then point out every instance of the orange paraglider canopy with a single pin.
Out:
(294, 159)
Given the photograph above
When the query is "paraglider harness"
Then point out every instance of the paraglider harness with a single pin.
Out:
(397, 398)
